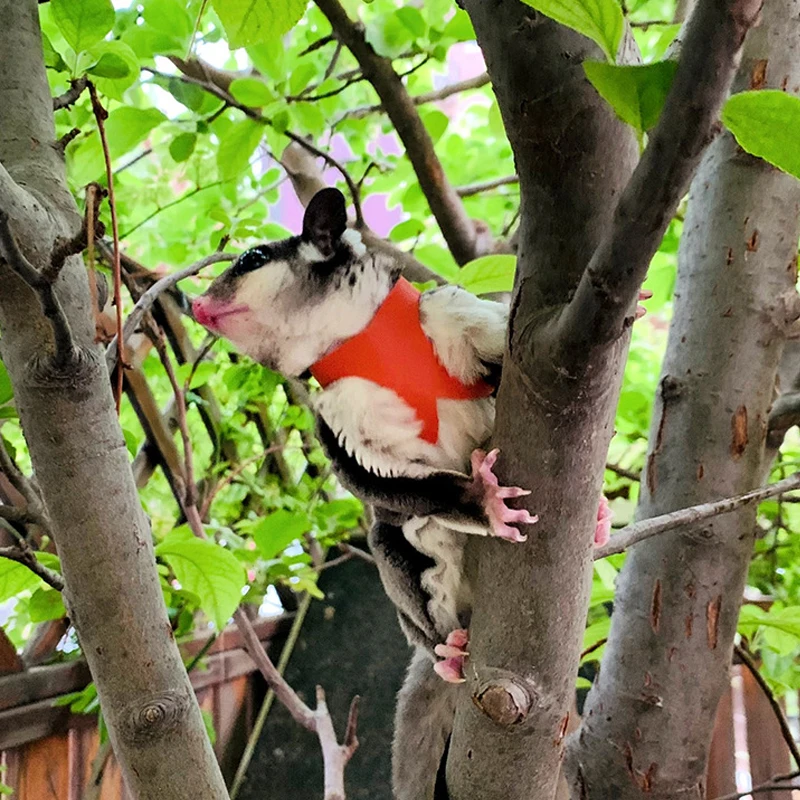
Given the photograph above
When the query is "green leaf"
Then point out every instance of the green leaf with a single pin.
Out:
(52, 58)
(278, 530)
(128, 126)
(249, 22)
(413, 20)
(116, 68)
(600, 20)
(251, 92)
(236, 147)
(765, 124)
(46, 604)
(406, 230)
(15, 578)
(208, 723)
(488, 274)
(636, 93)
(6, 389)
(436, 123)
(208, 571)
(182, 147)
(83, 22)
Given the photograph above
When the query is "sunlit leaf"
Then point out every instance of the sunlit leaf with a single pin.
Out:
(83, 22)
(278, 530)
(207, 570)
(765, 124)
(600, 20)
(249, 22)
(636, 93)
(488, 274)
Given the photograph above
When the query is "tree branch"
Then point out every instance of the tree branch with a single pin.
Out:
(72, 94)
(486, 186)
(778, 783)
(24, 485)
(784, 414)
(644, 529)
(51, 306)
(25, 554)
(146, 301)
(609, 285)
(427, 97)
(457, 228)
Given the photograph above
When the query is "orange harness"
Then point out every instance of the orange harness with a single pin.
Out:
(393, 351)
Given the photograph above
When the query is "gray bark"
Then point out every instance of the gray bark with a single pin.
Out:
(587, 234)
(648, 720)
(573, 159)
(80, 459)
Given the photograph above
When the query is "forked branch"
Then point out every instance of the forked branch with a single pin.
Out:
(607, 291)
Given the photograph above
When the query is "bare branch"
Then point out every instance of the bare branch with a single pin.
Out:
(146, 301)
(24, 554)
(51, 306)
(101, 115)
(623, 472)
(72, 94)
(64, 248)
(456, 226)
(785, 413)
(607, 290)
(644, 529)
(24, 485)
(427, 97)
(783, 723)
(778, 783)
(486, 186)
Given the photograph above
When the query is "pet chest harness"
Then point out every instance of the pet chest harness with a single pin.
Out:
(393, 351)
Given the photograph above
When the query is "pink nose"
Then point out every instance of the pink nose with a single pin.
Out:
(200, 309)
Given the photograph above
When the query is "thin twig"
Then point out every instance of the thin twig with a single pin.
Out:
(630, 474)
(643, 529)
(23, 553)
(146, 301)
(773, 785)
(101, 115)
(72, 94)
(592, 647)
(51, 305)
(24, 485)
(421, 99)
(486, 186)
(783, 723)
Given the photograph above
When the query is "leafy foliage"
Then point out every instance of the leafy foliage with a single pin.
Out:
(196, 168)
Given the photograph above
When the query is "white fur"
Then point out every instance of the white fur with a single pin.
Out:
(463, 329)
(282, 329)
(353, 238)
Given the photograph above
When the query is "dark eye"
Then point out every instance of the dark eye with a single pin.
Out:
(251, 260)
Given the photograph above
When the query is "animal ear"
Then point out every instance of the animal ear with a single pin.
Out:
(325, 220)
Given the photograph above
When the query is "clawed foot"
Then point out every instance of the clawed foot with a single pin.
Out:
(452, 653)
(645, 294)
(494, 497)
(603, 529)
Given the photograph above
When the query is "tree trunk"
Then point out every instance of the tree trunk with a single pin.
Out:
(80, 460)
(648, 720)
(553, 428)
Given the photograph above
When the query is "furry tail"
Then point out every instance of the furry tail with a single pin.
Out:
(423, 722)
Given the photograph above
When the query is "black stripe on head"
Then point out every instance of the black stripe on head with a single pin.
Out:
(265, 254)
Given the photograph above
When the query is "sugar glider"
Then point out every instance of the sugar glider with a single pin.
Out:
(406, 408)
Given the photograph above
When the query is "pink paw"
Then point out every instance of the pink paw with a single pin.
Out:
(451, 668)
(645, 294)
(602, 531)
(494, 497)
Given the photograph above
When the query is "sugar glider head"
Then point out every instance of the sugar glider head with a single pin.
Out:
(287, 303)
